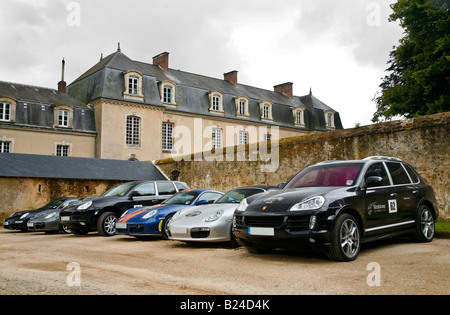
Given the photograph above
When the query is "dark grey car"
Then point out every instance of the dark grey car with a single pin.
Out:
(48, 221)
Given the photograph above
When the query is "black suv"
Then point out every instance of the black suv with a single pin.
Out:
(339, 205)
(101, 213)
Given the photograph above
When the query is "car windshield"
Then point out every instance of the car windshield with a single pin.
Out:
(237, 195)
(54, 204)
(183, 198)
(119, 191)
(326, 175)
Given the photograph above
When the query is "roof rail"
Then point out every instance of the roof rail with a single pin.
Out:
(380, 157)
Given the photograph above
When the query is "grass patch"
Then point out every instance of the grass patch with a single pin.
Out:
(443, 229)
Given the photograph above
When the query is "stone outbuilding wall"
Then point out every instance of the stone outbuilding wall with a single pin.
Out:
(423, 142)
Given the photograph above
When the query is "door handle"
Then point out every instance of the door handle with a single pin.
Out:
(393, 195)
(415, 192)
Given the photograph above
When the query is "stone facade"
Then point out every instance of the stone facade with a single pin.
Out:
(422, 142)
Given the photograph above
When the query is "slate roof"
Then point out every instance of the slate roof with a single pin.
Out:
(106, 80)
(43, 166)
(34, 107)
(37, 94)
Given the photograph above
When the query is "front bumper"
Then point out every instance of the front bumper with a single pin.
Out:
(139, 229)
(280, 231)
(15, 225)
(44, 226)
(79, 220)
(217, 231)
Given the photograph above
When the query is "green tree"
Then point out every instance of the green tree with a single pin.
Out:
(418, 79)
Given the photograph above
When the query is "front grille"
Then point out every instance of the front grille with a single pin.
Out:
(136, 228)
(239, 222)
(200, 233)
(265, 221)
(298, 223)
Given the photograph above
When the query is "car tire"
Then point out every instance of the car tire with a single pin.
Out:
(425, 228)
(164, 230)
(65, 229)
(106, 224)
(345, 239)
(233, 239)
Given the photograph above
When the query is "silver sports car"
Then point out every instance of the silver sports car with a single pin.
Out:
(211, 223)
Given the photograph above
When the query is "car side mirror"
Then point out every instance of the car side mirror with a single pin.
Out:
(134, 194)
(373, 181)
(282, 185)
(202, 202)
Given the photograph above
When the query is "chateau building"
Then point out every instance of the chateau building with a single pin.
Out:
(130, 110)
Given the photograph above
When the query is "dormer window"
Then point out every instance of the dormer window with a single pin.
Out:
(329, 119)
(133, 85)
(216, 101)
(63, 120)
(63, 115)
(242, 106)
(167, 90)
(266, 110)
(299, 116)
(7, 109)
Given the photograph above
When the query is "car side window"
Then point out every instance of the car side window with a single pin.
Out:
(166, 188)
(180, 186)
(210, 197)
(412, 173)
(398, 174)
(378, 169)
(146, 189)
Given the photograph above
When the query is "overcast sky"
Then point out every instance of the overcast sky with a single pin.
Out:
(339, 48)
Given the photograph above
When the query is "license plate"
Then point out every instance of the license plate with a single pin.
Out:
(121, 226)
(65, 218)
(29, 224)
(261, 231)
(5, 223)
(178, 230)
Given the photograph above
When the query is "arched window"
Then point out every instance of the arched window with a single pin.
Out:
(266, 110)
(216, 101)
(167, 90)
(133, 85)
(242, 106)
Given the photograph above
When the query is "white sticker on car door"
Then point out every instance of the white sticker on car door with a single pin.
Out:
(392, 206)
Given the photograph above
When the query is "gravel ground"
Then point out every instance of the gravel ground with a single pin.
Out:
(39, 264)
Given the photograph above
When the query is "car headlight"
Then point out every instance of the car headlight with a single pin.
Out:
(313, 203)
(150, 214)
(51, 215)
(243, 205)
(84, 206)
(23, 216)
(215, 216)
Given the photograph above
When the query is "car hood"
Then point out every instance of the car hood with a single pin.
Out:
(44, 213)
(281, 200)
(203, 212)
(136, 215)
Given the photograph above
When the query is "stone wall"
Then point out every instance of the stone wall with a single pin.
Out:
(422, 142)
(32, 193)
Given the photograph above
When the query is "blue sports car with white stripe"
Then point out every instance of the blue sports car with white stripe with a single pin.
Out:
(152, 221)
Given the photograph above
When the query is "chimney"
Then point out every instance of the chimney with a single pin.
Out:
(231, 76)
(62, 85)
(162, 60)
(285, 88)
